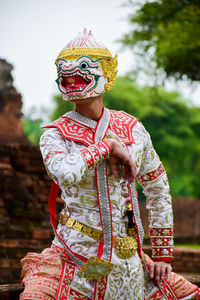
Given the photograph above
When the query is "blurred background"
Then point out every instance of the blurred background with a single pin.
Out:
(158, 46)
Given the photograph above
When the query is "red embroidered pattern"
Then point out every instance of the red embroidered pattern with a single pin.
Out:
(162, 243)
(34, 295)
(167, 290)
(152, 175)
(182, 287)
(61, 252)
(122, 124)
(77, 296)
(65, 280)
(101, 288)
(157, 295)
(73, 130)
(197, 295)
(96, 153)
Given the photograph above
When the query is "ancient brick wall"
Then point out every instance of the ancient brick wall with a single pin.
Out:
(24, 186)
(24, 220)
(10, 109)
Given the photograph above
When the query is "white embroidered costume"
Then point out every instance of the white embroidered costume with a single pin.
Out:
(72, 166)
(92, 238)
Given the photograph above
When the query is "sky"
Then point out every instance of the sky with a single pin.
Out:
(33, 32)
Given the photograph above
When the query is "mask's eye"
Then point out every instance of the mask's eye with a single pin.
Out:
(84, 65)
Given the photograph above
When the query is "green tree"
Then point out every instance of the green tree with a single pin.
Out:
(32, 129)
(61, 107)
(171, 29)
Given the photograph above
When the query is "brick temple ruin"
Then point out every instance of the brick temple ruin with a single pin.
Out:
(24, 190)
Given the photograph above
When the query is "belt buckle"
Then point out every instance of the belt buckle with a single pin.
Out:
(95, 268)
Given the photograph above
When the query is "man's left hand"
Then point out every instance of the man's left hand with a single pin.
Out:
(158, 271)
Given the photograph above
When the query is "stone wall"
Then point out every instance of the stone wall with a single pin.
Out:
(24, 219)
(10, 109)
(24, 186)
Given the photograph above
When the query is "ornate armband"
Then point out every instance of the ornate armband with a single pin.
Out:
(94, 154)
(162, 244)
(151, 175)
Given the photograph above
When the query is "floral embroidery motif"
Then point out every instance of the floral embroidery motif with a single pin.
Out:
(162, 243)
(152, 175)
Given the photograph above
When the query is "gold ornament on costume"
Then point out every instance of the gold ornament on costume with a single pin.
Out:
(125, 247)
(95, 268)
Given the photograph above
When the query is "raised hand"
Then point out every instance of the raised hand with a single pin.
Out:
(120, 161)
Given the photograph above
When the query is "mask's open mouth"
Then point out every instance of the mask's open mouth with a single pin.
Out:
(74, 82)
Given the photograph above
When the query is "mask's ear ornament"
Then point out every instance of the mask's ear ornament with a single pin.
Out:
(85, 68)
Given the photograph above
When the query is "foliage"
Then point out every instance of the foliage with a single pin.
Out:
(61, 107)
(174, 128)
(32, 129)
(171, 28)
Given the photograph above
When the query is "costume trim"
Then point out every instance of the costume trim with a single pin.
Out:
(105, 213)
(79, 260)
(99, 52)
(95, 153)
(103, 189)
(182, 287)
(152, 175)
(122, 124)
(76, 127)
(76, 295)
(68, 272)
(197, 294)
(100, 289)
(166, 291)
(162, 244)
(73, 130)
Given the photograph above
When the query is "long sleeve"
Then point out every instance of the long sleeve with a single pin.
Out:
(66, 163)
(153, 179)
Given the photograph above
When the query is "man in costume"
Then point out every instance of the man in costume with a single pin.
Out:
(93, 155)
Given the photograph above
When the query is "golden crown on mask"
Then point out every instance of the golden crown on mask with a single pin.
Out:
(108, 63)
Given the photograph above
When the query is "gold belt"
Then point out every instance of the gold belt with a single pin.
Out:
(125, 247)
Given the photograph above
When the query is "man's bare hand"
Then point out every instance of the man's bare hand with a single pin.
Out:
(121, 158)
(158, 271)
